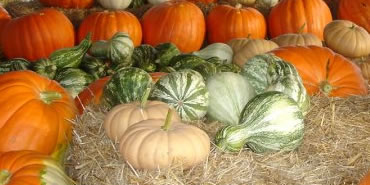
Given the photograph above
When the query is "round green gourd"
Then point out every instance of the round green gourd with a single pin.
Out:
(271, 121)
(186, 91)
(165, 52)
(144, 57)
(94, 66)
(74, 80)
(228, 94)
(45, 67)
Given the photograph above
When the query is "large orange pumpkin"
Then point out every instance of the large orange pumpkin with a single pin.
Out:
(288, 16)
(225, 22)
(357, 11)
(104, 25)
(35, 113)
(179, 22)
(37, 35)
(324, 71)
(4, 18)
(69, 3)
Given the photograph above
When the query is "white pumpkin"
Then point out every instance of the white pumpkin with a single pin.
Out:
(115, 4)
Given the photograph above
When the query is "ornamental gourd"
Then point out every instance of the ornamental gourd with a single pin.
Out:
(115, 4)
(357, 11)
(53, 31)
(347, 39)
(105, 24)
(168, 143)
(68, 3)
(289, 15)
(37, 114)
(324, 71)
(225, 22)
(179, 22)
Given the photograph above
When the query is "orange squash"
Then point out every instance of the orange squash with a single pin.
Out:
(68, 3)
(324, 71)
(357, 11)
(35, 114)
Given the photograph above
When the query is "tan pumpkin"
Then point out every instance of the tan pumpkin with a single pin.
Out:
(297, 39)
(122, 116)
(156, 143)
(347, 38)
(245, 48)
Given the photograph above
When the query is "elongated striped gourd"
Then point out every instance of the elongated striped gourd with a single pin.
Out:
(268, 72)
(271, 121)
(186, 91)
(15, 64)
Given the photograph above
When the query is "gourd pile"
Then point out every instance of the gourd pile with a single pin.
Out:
(252, 66)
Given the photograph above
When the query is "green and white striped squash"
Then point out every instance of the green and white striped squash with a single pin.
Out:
(206, 69)
(15, 64)
(220, 50)
(229, 68)
(144, 57)
(45, 67)
(271, 121)
(74, 80)
(165, 52)
(71, 57)
(94, 66)
(228, 94)
(268, 72)
(126, 85)
(186, 91)
(185, 61)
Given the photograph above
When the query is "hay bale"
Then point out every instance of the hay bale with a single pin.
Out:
(336, 150)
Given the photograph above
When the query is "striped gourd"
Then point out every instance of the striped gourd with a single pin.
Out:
(126, 85)
(165, 52)
(185, 61)
(71, 57)
(271, 121)
(228, 94)
(94, 66)
(45, 67)
(144, 57)
(268, 72)
(74, 80)
(15, 64)
(186, 91)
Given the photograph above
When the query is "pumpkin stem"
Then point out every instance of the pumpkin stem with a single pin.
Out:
(300, 30)
(325, 87)
(145, 97)
(49, 97)
(168, 121)
(352, 27)
(238, 6)
(4, 177)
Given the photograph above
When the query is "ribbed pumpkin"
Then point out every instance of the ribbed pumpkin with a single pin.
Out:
(225, 22)
(289, 15)
(365, 68)
(4, 18)
(297, 39)
(357, 11)
(68, 3)
(35, 115)
(179, 22)
(324, 71)
(203, 1)
(53, 31)
(104, 25)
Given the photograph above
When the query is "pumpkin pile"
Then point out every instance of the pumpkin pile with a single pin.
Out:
(252, 66)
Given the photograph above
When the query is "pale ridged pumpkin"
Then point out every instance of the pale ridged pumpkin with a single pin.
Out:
(225, 22)
(297, 39)
(324, 71)
(357, 11)
(68, 3)
(36, 114)
(53, 31)
(179, 22)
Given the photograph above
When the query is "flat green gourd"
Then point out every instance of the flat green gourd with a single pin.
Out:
(144, 57)
(185, 61)
(165, 52)
(126, 85)
(228, 94)
(74, 80)
(186, 91)
(15, 64)
(271, 121)
(45, 67)
(270, 73)
(220, 50)
(71, 57)
(94, 66)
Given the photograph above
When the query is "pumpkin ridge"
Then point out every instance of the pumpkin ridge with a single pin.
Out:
(146, 137)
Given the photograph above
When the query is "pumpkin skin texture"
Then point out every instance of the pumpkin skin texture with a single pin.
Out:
(365, 180)
(104, 25)
(179, 22)
(68, 3)
(288, 16)
(297, 39)
(4, 18)
(225, 22)
(365, 68)
(115, 4)
(347, 39)
(31, 168)
(35, 114)
(357, 11)
(324, 71)
(53, 31)
(146, 145)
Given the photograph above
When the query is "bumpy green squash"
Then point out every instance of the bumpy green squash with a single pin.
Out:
(15, 64)
(268, 72)
(45, 67)
(144, 57)
(186, 91)
(165, 52)
(94, 66)
(228, 94)
(271, 121)
(74, 80)
(186, 61)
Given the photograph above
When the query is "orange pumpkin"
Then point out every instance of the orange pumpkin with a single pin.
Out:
(225, 22)
(203, 1)
(68, 3)
(365, 180)
(288, 16)
(104, 25)
(4, 18)
(357, 11)
(53, 31)
(179, 22)
(324, 71)
(36, 114)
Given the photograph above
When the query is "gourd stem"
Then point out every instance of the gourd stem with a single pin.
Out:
(168, 121)
(300, 30)
(325, 87)
(4, 177)
(238, 6)
(49, 97)
(145, 97)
